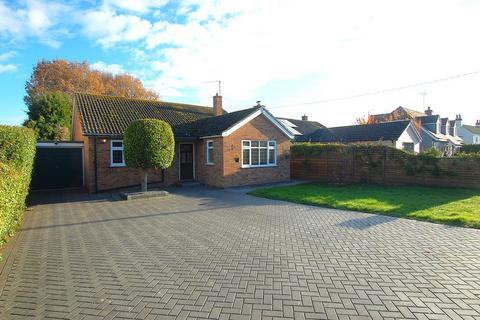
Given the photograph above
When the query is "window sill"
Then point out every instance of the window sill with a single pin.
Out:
(261, 166)
(118, 165)
(210, 164)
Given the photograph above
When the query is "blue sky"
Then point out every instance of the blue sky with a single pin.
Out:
(283, 52)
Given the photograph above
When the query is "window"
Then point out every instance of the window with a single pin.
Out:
(117, 158)
(259, 153)
(210, 152)
(408, 146)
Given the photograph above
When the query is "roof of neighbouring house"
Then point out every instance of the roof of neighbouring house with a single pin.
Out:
(429, 119)
(472, 129)
(387, 131)
(385, 117)
(302, 126)
(413, 113)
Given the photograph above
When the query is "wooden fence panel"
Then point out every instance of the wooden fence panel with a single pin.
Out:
(383, 167)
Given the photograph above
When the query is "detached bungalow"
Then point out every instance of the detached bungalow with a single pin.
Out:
(212, 147)
(398, 134)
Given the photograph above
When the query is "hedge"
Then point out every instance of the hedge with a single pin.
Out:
(17, 152)
(316, 149)
(471, 148)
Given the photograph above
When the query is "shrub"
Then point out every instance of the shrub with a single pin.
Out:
(432, 152)
(465, 155)
(50, 115)
(149, 143)
(17, 152)
(471, 148)
(314, 149)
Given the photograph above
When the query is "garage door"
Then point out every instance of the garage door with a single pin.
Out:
(58, 166)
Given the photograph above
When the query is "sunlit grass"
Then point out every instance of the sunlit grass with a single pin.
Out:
(457, 206)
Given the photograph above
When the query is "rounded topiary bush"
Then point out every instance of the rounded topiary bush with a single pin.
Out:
(149, 143)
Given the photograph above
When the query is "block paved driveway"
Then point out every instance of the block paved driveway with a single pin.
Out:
(211, 254)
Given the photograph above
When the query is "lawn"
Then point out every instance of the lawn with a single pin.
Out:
(455, 206)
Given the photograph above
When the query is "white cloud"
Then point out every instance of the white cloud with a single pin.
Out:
(7, 68)
(7, 55)
(33, 19)
(140, 6)
(110, 28)
(111, 68)
(322, 50)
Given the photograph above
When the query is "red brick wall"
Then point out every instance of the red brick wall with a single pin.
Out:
(211, 175)
(116, 177)
(383, 168)
(259, 128)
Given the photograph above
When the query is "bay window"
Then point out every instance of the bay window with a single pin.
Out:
(259, 153)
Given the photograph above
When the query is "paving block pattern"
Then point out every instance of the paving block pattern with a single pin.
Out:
(213, 254)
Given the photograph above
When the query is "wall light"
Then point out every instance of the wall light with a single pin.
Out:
(103, 140)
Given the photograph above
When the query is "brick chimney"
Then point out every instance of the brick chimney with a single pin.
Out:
(429, 111)
(304, 117)
(217, 105)
(477, 124)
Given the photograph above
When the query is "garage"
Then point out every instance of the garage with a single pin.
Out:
(58, 165)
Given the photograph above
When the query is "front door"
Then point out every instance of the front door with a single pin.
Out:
(186, 161)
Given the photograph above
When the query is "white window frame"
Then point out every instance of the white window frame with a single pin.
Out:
(112, 148)
(208, 148)
(250, 165)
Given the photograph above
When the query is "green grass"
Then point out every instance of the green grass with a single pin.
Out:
(455, 206)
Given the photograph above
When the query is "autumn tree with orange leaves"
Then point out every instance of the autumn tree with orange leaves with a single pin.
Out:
(69, 77)
(65, 77)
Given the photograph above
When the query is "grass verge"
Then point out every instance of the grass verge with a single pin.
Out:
(454, 206)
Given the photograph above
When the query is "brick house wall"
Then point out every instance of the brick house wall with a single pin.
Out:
(209, 174)
(260, 128)
(227, 172)
(116, 177)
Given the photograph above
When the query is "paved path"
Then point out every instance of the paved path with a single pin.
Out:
(208, 254)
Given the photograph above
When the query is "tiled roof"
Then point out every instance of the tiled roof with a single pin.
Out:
(429, 119)
(472, 129)
(213, 126)
(444, 121)
(305, 127)
(358, 133)
(413, 113)
(107, 115)
(385, 117)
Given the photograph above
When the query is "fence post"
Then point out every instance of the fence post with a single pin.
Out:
(353, 165)
(384, 164)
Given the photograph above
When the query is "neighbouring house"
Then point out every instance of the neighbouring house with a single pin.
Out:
(470, 134)
(215, 148)
(436, 132)
(400, 134)
(301, 127)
